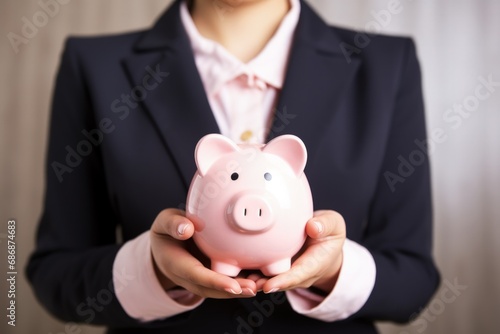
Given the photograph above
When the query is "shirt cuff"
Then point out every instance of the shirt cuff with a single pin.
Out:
(354, 286)
(142, 297)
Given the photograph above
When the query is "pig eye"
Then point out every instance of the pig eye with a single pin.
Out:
(234, 176)
(268, 176)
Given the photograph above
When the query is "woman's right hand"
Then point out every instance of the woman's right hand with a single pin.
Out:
(176, 266)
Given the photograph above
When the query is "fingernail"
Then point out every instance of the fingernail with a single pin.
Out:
(272, 290)
(248, 292)
(319, 227)
(233, 292)
(181, 229)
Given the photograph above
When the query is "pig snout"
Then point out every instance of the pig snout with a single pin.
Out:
(251, 212)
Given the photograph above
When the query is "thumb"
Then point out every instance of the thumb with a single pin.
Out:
(173, 223)
(326, 223)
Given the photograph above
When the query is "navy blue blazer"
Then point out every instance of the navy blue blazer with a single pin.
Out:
(127, 113)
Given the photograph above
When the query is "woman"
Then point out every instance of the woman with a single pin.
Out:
(127, 113)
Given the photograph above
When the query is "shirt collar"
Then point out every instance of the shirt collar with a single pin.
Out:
(269, 65)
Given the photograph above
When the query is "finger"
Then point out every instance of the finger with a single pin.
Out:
(186, 271)
(302, 274)
(248, 286)
(254, 277)
(325, 223)
(173, 223)
(209, 280)
(259, 280)
(319, 261)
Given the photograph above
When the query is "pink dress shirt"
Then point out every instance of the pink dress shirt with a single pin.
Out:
(242, 97)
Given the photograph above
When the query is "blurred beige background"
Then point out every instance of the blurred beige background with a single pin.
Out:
(457, 44)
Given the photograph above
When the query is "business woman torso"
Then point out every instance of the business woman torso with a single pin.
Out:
(127, 113)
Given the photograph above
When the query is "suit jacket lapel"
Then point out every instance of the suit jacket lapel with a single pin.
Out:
(318, 77)
(178, 105)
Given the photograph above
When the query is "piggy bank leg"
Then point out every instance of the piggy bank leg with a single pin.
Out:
(225, 268)
(277, 267)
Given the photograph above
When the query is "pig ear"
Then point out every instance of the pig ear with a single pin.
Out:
(291, 149)
(210, 148)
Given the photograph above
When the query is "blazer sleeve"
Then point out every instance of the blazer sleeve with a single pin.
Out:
(71, 267)
(399, 229)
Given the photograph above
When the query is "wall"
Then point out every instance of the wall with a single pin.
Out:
(458, 48)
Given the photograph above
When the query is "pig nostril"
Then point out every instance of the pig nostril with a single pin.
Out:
(245, 212)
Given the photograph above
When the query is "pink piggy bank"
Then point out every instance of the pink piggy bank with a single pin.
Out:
(250, 203)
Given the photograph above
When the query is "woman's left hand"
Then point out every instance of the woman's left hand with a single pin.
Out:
(319, 261)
